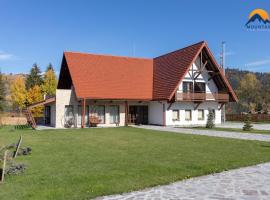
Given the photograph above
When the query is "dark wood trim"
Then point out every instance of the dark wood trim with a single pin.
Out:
(83, 113)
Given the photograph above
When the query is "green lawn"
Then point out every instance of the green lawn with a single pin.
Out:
(85, 163)
(235, 130)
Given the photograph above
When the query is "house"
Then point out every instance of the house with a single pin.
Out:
(178, 88)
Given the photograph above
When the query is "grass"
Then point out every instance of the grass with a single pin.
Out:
(86, 163)
(235, 130)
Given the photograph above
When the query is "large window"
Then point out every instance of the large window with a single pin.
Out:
(98, 111)
(176, 115)
(114, 114)
(187, 87)
(188, 116)
(200, 114)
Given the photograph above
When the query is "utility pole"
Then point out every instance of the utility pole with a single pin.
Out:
(222, 64)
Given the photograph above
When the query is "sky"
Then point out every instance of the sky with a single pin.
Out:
(39, 32)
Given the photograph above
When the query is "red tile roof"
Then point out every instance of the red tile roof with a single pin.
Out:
(115, 77)
(170, 69)
(110, 77)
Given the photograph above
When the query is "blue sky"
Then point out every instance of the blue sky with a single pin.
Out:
(39, 31)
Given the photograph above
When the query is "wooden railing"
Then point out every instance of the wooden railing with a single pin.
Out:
(201, 96)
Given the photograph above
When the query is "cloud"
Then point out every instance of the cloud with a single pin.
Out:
(258, 63)
(6, 56)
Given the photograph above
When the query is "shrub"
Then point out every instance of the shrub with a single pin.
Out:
(210, 119)
(247, 123)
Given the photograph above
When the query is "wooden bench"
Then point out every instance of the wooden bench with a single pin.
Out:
(94, 121)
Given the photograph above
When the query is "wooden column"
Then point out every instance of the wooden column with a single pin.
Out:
(83, 112)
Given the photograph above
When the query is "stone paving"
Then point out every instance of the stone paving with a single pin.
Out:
(225, 134)
(249, 183)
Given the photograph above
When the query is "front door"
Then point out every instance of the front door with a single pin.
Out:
(47, 115)
(138, 114)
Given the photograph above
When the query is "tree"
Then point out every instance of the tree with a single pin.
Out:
(34, 78)
(2, 92)
(266, 95)
(34, 95)
(210, 119)
(247, 123)
(49, 67)
(18, 93)
(50, 82)
(248, 91)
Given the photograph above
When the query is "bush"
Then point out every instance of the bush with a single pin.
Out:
(210, 119)
(247, 123)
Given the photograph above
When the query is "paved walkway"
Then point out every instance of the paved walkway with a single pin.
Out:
(265, 126)
(249, 183)
(225, 134)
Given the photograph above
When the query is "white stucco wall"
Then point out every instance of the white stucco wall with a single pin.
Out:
(155, 112)
(63, 98)
(182, 106)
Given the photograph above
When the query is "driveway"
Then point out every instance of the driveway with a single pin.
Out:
(225, 134)
(240, 125)
(249, 183)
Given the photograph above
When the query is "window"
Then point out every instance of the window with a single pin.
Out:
(188, 116)
(199, 87)
(200, 114)
(98, 111)
(114, 114)
(176, 115)
(68, 111)
(187, 87)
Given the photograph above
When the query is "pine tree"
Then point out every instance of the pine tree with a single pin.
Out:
(18, 93)
(247, 123)
(50, 82)
(50, 67)
(2, 92)
(34, 78)
(210, 119)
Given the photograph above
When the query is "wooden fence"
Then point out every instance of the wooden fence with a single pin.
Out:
(254, 117)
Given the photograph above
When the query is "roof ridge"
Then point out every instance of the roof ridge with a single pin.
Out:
(107, 55)
(202, 42)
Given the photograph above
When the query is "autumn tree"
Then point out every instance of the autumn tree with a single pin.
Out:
(34, 78)
(34, 95)
(50, 81)
(2, 92)
(266, 95)
(18, 93)
(248, 91)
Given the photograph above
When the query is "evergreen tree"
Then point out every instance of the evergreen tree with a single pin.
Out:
(34, 78)
(247, 123)
(50, 67)
(210, 119)
(2, 92)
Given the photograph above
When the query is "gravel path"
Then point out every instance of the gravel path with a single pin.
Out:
(225, 134)
(240, 125)
(249, 183)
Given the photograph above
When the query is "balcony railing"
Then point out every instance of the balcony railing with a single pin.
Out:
(201, 96)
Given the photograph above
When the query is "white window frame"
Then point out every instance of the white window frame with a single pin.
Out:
(190, 115)
(178, 115)
(201, 119)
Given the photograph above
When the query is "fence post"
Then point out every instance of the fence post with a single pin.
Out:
(4, 166)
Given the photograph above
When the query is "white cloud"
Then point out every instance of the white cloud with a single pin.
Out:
(6, 56)
(258, 63)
